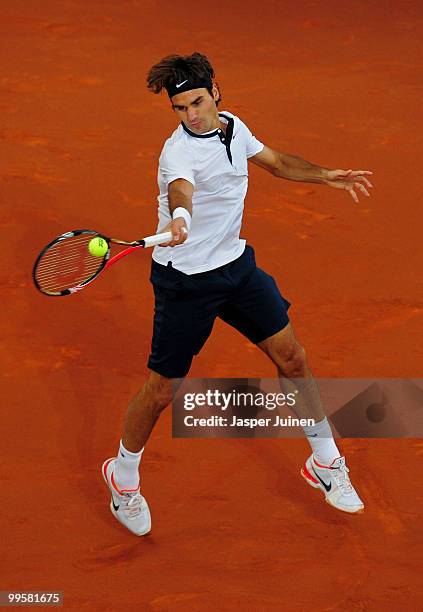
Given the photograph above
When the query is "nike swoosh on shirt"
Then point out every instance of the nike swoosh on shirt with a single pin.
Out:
(327, 487)
(114, 506)
(180, 84)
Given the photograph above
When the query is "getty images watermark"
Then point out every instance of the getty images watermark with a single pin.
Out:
(248, 399)
(276, 408)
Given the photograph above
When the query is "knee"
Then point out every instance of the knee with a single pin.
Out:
(292, 362)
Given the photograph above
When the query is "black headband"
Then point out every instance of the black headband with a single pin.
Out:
(188, 84)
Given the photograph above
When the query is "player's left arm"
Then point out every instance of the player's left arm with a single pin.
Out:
(294, 168)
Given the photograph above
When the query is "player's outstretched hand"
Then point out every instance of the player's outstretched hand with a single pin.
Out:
(179, 230)
(350, 180)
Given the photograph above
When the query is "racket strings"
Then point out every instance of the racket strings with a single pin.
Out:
(67, 263)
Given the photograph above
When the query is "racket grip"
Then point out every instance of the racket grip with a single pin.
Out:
(150, 241)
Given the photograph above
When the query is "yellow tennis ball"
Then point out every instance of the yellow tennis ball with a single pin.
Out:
(98, 246)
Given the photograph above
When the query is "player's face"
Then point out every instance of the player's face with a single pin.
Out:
(197, 109)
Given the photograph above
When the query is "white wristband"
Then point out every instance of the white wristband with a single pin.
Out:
(182, 212)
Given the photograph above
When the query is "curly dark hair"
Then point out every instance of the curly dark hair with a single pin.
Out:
(175, 68)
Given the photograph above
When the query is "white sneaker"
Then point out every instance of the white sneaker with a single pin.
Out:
(335, 483)
(129, 507)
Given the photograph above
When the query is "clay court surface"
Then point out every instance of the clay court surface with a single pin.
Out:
(234, 525)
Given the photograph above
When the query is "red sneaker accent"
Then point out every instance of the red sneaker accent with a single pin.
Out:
(114, 485)
(112, 479)
(308, 475)
(105, 466)
(327, 467)
(121, 491)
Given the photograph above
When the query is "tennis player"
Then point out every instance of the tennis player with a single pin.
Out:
(208, 271)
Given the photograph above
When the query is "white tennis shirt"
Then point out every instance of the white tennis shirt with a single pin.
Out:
(216, 164)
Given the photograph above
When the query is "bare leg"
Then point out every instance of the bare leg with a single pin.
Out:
(289, 357)
(121, 473)
(144, 410)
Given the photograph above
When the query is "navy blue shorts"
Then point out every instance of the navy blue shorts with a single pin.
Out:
(186, 306)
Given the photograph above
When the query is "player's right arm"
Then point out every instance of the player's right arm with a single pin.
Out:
(180, 197)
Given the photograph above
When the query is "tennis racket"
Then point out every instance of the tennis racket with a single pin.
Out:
(66, 266)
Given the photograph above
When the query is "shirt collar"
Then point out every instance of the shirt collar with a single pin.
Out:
(217, 132)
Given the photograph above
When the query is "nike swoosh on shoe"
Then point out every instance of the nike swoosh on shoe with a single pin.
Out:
(327, 487)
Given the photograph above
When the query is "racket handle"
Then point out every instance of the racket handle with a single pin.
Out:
(150, 241)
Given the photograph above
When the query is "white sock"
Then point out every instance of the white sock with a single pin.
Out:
(126, 473)
(322, 443)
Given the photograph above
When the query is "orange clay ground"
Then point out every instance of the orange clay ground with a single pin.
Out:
(234, 525)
